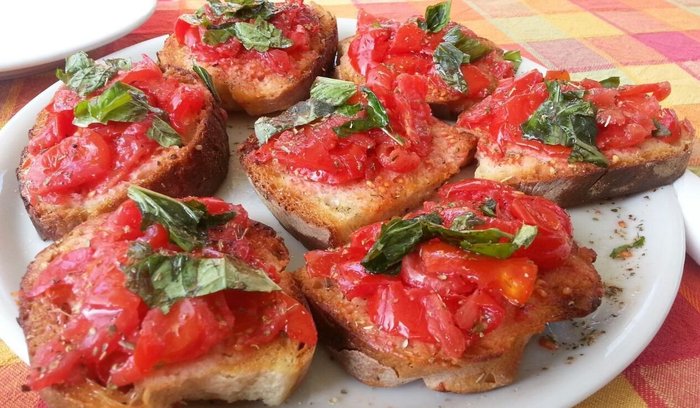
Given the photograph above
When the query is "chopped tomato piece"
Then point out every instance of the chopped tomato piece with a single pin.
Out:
(395, 311)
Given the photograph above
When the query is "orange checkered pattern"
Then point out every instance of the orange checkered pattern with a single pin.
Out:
(640, 41)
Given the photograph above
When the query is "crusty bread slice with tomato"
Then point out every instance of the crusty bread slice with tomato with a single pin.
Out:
(269, 372)
(246, 85)
(322, 216)
(637, 145)
(197, 167)
(410, 46)
(356, 327)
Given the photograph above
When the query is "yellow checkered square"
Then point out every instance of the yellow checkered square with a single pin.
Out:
(582, 25)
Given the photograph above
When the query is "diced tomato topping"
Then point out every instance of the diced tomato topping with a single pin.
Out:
(107, 332)
(394, 310)
(626, 116)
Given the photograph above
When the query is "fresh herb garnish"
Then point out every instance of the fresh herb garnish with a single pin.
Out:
(83, 75)
(455, 50)
(332, 91)
(206, 78)
(260, 35)
(489, 207)
(186, 222)
(399, 237)
(612, 82)
(437, 16)
(623, 251)
(566, 119)
(466, 221)
(660, 130)
(302, 113)
(124, 103)
(229, 10)
(376, 118)
(514, 57)
(161, 279)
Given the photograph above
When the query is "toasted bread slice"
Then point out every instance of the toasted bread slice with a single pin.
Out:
(381, 359)
(654, 163)
(322, 215)
(196, 168)
(445, 102)
(269, 373)
(244, 85)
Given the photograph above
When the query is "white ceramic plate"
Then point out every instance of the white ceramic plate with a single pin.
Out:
(619, 330)
(40, 32)
(688, 191)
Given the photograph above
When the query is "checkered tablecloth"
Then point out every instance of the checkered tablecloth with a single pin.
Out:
(640, 41)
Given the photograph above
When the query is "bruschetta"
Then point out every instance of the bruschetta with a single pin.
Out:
(114, 123)
(450, 294)
(460, 67)
(575, 142)
(262, 56)
(351, 156)
(163, 301)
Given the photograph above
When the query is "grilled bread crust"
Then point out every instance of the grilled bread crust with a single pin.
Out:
(654, 163)
(195, 169)
(244, 87)
(269, 373)
(321, 215)
(381, 359)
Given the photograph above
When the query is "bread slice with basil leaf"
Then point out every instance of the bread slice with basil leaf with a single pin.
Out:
(350, 156)
(113, 123)
(461, 68)
(450, 294)
(576, 142)
(262, 56)
(164, 301)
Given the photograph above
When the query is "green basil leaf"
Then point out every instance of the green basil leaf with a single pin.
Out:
(206, 78)
(566, 119)
(186, 222)
(660, 130)
(260, 35)
(437, 16)
(354, 126)
(399, 237)
(448, 60)
(612, 82)
(514, 57)
(218, 36)
(622, 251)
(334, 92)
(349, 110)
(161, 279)
(118, 103)
(300, 114)
(120, 64)
(84, 75)
(163, 133)
(78, 61)
(489, 207)
(466, 221)
(375, 110)
(502, 250)
(474, 48)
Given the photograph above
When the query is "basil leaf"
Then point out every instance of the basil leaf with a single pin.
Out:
(472, 47)
(332, 91)
(300, 114)
(206, 78)
(119, 103)
(218, 36)
(244, 9)
(612, 82)
(399, 237)
(566, 119)
(120, 64)
(354, 126)
(660, 130)
(437, 16)
(466, 221)
(349, 110)
(448, 60)
(502, 250)
(489, 207)
(514, 57)
(163, 133)
(186, 222)
(622, 252)
(161, 279)
(260, 35)
(375, 110)
(84, 75)
(376, 118)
